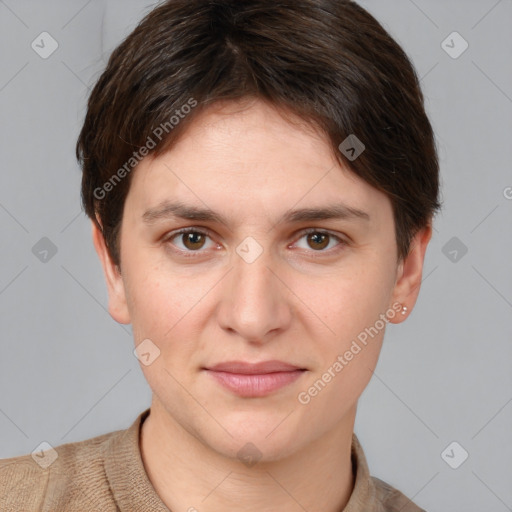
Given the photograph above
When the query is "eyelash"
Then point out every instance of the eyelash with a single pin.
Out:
(195, 254)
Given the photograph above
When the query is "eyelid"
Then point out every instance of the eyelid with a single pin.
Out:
(307, 231)
(297, 236)
(342, 242)
(190, 229)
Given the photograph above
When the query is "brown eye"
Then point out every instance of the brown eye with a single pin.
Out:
(193, 240)
(189, 241)
(318, 240)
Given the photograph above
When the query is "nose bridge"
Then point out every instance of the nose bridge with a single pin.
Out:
(252, 278)
(254, 302)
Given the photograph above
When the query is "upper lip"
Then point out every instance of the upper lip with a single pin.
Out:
(243, 367)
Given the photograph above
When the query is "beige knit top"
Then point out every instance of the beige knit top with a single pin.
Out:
(106, 474)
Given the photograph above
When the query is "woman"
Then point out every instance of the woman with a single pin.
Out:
(261, 178)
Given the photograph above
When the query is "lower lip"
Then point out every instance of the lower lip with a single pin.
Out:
(252, 386)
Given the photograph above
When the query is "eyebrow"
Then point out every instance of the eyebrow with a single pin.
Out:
(171, 210)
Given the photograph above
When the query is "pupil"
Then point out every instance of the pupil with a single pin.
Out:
(316, 236)
(192, 238)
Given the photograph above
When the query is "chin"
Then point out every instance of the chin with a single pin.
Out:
(266, 440)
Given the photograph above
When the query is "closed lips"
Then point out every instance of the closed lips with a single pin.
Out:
(245, 368)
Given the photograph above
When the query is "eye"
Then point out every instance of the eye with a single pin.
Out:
(318, 240)
(193, 239)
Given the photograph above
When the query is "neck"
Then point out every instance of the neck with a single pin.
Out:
(188, 475)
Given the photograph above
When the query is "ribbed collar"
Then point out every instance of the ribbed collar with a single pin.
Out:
(126, 474)
(133, 490)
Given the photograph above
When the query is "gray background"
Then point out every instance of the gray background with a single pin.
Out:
(67, 371)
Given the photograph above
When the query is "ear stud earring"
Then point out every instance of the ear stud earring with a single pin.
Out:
(404, 310)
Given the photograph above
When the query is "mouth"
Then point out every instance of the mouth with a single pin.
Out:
(252, 380)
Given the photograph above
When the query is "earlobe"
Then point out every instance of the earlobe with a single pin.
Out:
(117, 305)
(409, 275)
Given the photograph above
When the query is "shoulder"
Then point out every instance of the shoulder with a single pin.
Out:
(62, 476)
(392, 499)
(22, 484)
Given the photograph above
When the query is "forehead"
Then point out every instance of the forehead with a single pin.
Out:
(249, 160)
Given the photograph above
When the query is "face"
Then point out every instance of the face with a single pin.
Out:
(257, 282)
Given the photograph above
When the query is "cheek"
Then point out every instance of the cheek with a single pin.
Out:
(154, 301)
(164, 310)
(168, 308)
(346, 303)
(348, 339)
(347, 342)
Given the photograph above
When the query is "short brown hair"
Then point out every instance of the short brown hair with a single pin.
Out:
(328, 61)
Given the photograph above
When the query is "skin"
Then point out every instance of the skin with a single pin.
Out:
(251, 165)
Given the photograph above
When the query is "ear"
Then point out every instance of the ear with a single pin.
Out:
(409, 274)
(117, 306)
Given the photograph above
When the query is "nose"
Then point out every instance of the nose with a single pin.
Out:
(255, 303)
